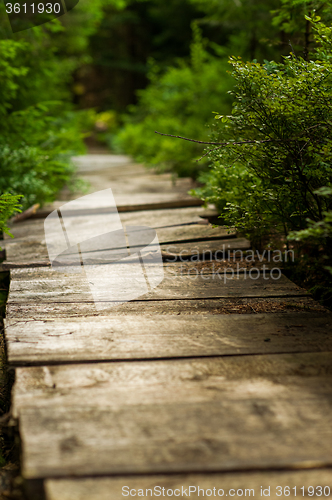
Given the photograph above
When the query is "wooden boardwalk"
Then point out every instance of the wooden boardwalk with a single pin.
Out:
(212, 379)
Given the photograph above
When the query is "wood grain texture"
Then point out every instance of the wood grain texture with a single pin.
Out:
(145, 187)
(32, 232)
(155, 218)
(236, 305)
(241, 413)
(214, 436)
(29, 245)
(164, 336)
(162, 384)
(49, 286)
(135, 204)
(165, 382)
(111, 487)
(133, 186)
(178, 240)
(209, 249)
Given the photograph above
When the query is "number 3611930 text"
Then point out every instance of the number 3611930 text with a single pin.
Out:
(26, 8)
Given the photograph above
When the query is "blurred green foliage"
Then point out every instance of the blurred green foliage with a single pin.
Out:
(125, 41)
(39, 127)
(292, 17)
(174, 56)
(38, 131)
(246, 26)
(180, 98)
(9, 204)
(179, 102)
(272, 172)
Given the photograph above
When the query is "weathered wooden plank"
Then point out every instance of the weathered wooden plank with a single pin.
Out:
(29, 230)
(186, 234)
(241, 305)
(160, 336)
(144, 188)
(174, 241)
(177, 243)
(163, 382)
(220, 435)
(164, 217)
(207, 249)
(155, 218)
(29, 244)
(160, 218)
(46, 285)
(92, 162)
(132, 203)
(255, 412)
(224, 484)
(26, 253)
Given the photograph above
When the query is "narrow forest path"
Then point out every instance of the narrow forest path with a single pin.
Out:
(208, 380)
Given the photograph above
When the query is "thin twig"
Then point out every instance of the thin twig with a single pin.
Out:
(209, 151)
(230, 143)
(293, 51)
(191, 140)
(235, 143)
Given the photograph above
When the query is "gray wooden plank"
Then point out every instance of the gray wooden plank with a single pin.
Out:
(29, 244)
(153, 218)
(46, 285)
(160, 218)
(85, 441)
(172, 382)
(26, 253)
(132, 203)
(174, 241)
(220, 435)
(92, 162)
(29, 229)
(242, 305)
(270, 482)
(103, 171)
(164, 336)
(193, 232)
(207, 249)
(145, 186)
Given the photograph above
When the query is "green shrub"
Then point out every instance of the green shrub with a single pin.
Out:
(319, 233)
(9, 205)
(37, 136)
(177, 102)
(278, 147)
